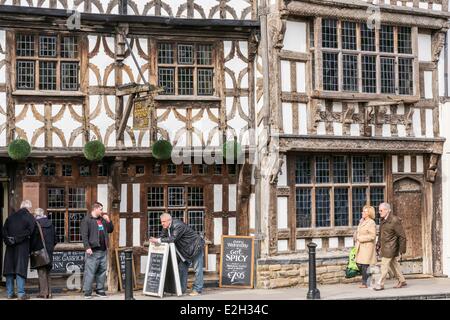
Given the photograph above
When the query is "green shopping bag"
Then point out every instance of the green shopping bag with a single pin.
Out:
(352, 269)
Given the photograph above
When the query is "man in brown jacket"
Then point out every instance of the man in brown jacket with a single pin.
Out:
(392, 242)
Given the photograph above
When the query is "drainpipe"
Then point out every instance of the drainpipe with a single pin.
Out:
(262, 14)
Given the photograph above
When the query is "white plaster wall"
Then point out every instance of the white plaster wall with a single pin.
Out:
(282, 177)
(318, 241)
(444, 113)
(287, 118)
(102, 195)
(136, 197)
(419, 166)
(232, 226)
(2, 118)
(232, 197)
(295, 37)
(285, 76)
(217, 231)
(348, 242)
(30, 124)
(333, 243)
(282, 212)
(282, 245)
(407, 164)
(302, 119)
(217, 197)
(136, 232)
(428, 84)
(424, 47)
(301, 77)
(67, 125)
(429, 123)
(123, 198)
(122, 232)
(300, 244)
(417, 127)
(394, 164)
(252, 211)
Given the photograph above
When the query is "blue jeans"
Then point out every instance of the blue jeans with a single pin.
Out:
(197, 264)
(20, 281)
(95, 268)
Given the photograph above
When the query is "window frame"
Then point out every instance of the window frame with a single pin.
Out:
(312, 185)
(37, 59)
(176, 66)
(317, 51)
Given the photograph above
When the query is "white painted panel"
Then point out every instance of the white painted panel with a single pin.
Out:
(394, 164)
(337, 128)
(441, 73)
(295, 36)
(424, 47)
(282, 212)
(282, 177)
(333, 243)
(428, 84)
(123, 232)
(123, 198)
(401, 130)
(136, 232)
(285, 76)
(232, 226)
(423, 5)
(232, 197)
(437, 7)
(217, 231)
(401, 109)
(212, 261)
(354, 129)
(29, 124)
(302, 119)
(419, 166)
(143, 263)
(321, 128)
(136, 197)
(337, 107)
(217, 197)
(102, 195)
(348, 242)
(282, 245)
(287, 118)
(32, 273)
(429, 123)
(300, 244)
(301, 77)
(3, 119)
(252, 211)
(417, 128)
(318, 241)
(386, 130)
(407, 164)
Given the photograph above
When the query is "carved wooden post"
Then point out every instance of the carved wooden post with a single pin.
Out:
(114, 209)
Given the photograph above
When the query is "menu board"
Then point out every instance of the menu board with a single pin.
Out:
(120, 262)
(67, 262)
(236, 262)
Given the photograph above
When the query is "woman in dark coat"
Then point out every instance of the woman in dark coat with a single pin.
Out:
(17, 230)
(48, 232)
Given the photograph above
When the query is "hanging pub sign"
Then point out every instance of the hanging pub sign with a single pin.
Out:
(141, 112)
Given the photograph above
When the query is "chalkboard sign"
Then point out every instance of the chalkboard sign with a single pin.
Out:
(155, 272)
(236, 262)
(68, 262)
(120, 262)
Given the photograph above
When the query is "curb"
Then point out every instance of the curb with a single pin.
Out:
(407, 297)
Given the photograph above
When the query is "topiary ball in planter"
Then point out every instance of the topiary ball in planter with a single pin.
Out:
(232, 150)
(162, 150)
(94, 150)
(19, 149)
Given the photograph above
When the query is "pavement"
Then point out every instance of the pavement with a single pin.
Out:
(429, 288)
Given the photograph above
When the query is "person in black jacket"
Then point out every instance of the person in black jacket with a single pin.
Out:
(48, 232)
(16, 234)
(94, 233)
(189, 245)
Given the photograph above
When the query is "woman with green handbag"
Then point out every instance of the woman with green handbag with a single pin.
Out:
(365, 243)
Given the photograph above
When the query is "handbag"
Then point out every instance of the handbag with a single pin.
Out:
(39, 258)
(352, 269)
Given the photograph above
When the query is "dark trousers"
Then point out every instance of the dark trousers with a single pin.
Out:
(365, 274)
(45, 288)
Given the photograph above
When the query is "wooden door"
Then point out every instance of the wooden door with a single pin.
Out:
(408, 206)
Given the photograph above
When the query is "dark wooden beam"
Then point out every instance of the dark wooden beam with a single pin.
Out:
(126, 115)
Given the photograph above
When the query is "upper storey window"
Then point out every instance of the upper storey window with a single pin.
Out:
(186, 68)
(355, 58)
(47, 62)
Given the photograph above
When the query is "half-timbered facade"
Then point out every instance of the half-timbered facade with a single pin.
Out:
(354, 106)
(63, 82)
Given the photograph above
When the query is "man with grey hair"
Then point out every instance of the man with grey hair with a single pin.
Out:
(17, 231)
(391, 243)
(189, 246)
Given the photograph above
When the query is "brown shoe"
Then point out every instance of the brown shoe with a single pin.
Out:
(400, 285)
(378, 288)
(363, 286)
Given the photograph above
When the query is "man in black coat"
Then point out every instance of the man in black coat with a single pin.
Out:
(189, 245)
(49, 235)
(17, 231)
